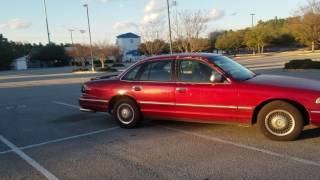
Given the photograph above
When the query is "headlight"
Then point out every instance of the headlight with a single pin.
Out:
(318, 101)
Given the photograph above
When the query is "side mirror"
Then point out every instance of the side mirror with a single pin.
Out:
(216, 77)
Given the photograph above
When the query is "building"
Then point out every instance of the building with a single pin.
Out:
(20, 63)
(129, 44)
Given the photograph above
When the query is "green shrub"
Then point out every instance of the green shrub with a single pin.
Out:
(303, 64)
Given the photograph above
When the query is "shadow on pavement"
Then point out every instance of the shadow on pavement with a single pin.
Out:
(310, 134)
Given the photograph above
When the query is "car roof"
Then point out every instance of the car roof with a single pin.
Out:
(182, 55)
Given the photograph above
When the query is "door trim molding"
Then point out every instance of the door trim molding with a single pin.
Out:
(196, 105)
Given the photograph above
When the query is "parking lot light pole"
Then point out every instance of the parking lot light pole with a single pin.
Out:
(169, 21)
(47, 25)
(71, 31)
(87, 7)
(252, 19)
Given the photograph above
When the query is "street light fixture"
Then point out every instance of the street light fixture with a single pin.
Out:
(87, 7)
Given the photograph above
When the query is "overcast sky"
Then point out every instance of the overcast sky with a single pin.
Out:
(24, 20)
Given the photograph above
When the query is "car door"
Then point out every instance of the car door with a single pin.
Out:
(153, 88)
(197, 98)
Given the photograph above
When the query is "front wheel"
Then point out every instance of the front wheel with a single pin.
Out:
(127, 113)
(280, 121)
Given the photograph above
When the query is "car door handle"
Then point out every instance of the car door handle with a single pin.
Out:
(136, 88)
(181, 89)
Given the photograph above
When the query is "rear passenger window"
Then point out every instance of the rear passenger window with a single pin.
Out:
(157, 71)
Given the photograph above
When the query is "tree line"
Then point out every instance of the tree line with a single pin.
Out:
(55, 55)
(301, 30)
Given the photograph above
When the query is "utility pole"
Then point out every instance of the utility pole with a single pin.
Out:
(71, 31)
(169, 21)
(87, 7)
(46, 14)
(252, 19)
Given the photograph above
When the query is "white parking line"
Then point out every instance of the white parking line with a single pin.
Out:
(69, 138)
(264, 151)
(65, 104)
(65, 138)
(29, 160)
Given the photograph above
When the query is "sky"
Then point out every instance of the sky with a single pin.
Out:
(24, 20)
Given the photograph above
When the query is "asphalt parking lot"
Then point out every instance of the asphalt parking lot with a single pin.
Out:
(43, 135)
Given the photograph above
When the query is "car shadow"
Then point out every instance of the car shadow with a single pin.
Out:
(310, 134)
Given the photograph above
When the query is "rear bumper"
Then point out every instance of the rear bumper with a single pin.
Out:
(93, 105)
(315, 117)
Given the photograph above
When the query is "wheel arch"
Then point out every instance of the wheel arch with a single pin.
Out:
(116, 98)
(299, 106)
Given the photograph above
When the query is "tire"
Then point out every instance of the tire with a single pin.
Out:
(280, 121)
(127, 113)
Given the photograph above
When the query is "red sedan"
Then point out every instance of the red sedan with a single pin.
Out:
(206, 88)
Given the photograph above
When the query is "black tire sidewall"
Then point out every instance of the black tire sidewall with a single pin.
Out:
(281, 105)
(137, 115)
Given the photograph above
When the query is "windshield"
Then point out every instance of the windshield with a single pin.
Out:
(232, 68)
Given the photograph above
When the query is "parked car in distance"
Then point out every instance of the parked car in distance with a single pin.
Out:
(206, 88)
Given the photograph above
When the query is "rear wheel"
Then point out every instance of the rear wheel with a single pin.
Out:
(127, 113)
(280, 121)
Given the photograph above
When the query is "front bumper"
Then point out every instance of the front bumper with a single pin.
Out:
(315, 117)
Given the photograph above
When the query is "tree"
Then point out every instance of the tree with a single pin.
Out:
(306, 25)
(100, 50)
(151, 33)
(52, 54)
(188, 30)
(154, 47)
(80, 53)
(263, 33)
(114, 51)
(251, 40)
(6, 54)
(213, 37)
(10, 50)
(231, 41)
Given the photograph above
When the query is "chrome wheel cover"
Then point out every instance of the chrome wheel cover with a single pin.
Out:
(125, 113)
(280, 122)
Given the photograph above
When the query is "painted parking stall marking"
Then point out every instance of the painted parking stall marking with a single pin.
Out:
(239, 145)
(62, 139)
(28, 159)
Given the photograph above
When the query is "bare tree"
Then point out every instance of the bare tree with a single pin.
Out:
(188, 29)
(154, 47)
(100, 50)
(113, 51)
(80, 53)
(152, 33)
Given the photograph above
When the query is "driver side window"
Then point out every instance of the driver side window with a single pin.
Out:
(196, 71)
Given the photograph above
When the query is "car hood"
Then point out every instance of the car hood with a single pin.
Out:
(286, 81)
